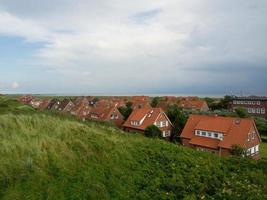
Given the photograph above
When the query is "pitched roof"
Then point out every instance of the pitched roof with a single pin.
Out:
(205, 142)
(64, 103)
(148, 115)
(44, 104)
(235, 130)
(193, 104)
(101, 113)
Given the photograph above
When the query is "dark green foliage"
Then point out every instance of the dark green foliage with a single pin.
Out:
(178, 119)
(153, 131)
(155, 102)
(237, 150)
(225, 102)
(261, 125)
(241, 112)
(51, 156)
(217, 105)
(126, 110)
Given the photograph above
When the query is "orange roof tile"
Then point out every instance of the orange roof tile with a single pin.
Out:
(148, 115)
(234, 130)
(205, 142)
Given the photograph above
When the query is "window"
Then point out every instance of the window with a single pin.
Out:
(249, 110)
(135, 123)
(209, 134)
(258, 103)
(253, 110)
(258, 110)
(203, 133)
(168, 133)
(257, 148)
(262, 110)
(253, 102)
(248, 152)
(163, 123)
(198, 132)
(249, 102)
(252, 150)
(216, 135)
(234, 102)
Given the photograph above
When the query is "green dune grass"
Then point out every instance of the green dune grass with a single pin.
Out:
(45, 156)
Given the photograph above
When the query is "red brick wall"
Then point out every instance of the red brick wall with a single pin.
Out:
(263, 104)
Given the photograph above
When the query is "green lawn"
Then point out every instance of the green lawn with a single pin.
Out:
(263, 149)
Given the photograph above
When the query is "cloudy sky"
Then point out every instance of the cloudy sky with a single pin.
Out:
(140, 46)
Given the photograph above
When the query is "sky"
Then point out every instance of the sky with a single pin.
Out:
(139, 47)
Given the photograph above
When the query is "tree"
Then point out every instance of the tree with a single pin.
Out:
(178, 119)
(241, 112)
(237, 150)
(126, 110)
(225, 101)
(153, 131)
(155, 102)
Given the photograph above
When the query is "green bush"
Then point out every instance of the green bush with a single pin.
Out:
(152, 131)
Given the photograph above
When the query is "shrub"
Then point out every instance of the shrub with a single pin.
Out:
(153, 131)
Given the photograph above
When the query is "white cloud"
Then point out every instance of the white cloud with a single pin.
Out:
(15, 85)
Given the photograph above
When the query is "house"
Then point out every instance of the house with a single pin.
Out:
(26, 99)
(254, 105)
(63, 106)
(52, 103)
(35, 103)
(167, 101)
(194, 104)
(218, 135)
(81, 109)
(140, 102)
(110, 114)
(84, 112)
(45, 103)
(144, 117)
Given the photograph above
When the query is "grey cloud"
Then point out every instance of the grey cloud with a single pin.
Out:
(160, 46)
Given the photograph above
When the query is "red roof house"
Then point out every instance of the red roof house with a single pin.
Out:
(144, 117)
(195, 104)
(111, 114)
(26, 99)
(219, 134)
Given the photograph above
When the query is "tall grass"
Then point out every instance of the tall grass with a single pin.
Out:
(45, 156)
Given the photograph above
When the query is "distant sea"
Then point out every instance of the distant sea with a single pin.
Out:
(136, 94)
(132, 94)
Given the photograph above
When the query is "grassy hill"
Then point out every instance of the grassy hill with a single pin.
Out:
(48, 156)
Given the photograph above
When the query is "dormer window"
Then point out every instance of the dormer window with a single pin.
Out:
(209, 134)
(135, 123)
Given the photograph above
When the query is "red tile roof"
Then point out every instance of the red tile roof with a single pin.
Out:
(234, 130)
(196, 104)
(148, 115)
(205, 142)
